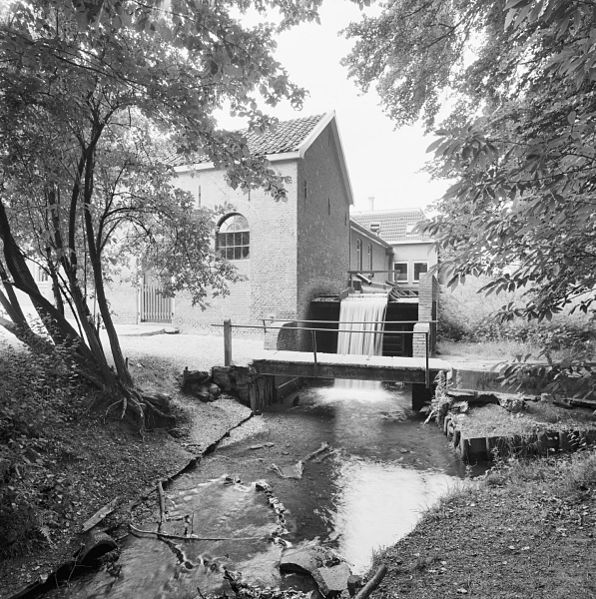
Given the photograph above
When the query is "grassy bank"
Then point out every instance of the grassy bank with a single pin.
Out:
(60, 461)
(526, 530)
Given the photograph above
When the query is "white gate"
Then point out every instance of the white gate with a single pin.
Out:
(154, 306)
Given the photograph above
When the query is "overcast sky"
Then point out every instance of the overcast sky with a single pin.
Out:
(383, 163)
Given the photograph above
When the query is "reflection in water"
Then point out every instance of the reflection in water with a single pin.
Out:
(379, 503)
(389, 470)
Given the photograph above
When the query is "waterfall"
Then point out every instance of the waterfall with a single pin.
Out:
(361, 324)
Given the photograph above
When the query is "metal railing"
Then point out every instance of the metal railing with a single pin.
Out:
(228, 326)
(369, 276)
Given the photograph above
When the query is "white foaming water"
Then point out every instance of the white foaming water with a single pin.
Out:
(361, 332)
(361, 324)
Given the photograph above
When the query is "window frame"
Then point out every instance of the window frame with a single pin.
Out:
(233, 245)
(407, 273)
(358, 254)
(414, 279)
(41, 275)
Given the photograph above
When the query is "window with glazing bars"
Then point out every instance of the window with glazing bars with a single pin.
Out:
(233, 237)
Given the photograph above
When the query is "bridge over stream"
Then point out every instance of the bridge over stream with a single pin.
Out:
(349, 366)
(419, 372)
(269, 365)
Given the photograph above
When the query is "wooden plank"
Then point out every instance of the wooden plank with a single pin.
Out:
(346, 371)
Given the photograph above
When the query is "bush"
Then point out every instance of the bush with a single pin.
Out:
(37, 394)
(467, 315)
(564, 333)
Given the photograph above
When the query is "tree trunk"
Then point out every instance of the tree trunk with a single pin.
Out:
(94, 257)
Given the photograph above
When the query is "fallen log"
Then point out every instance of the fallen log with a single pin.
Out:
(100, 515)
(162, 503)
(154, 534)
(313, 454)
(373, 583)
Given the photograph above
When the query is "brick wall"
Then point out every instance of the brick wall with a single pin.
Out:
(299, 248)
(428, 297)
(122, 294)
(270, 288)
(323, 222)
(236, 305)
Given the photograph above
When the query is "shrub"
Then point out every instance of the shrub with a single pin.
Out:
(466, 315)
(37, 393)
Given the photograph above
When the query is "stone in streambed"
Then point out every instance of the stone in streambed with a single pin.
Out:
(354, 583)
(302, 560)
(331, 574)
(333, 579)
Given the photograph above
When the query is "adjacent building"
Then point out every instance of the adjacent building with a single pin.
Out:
(413, 253)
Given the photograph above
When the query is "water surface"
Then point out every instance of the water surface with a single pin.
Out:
(382, 469)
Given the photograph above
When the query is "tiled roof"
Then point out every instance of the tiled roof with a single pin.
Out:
(394, 226)
(284, 137)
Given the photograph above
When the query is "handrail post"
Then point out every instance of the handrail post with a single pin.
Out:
(427, 372)
(227, 327)
(313, 336)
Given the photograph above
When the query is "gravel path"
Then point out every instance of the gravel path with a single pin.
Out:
(197, 351)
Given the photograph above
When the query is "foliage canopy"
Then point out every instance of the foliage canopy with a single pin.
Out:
(516, 79)
(95, 99)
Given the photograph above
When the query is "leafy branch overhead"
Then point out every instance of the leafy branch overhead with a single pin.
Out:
(512, 83)
(96, 100)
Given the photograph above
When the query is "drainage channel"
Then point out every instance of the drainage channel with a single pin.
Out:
(346, 467)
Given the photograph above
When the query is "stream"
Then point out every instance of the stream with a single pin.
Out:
(267, 488)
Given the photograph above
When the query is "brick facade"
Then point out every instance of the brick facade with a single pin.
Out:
(269, 288)
(323, 205)
(299, 247)
(428, 297)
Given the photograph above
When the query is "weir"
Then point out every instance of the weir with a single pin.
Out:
(361, 320)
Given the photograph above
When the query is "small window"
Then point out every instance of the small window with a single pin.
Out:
(359, 254)
(42, 275)
(233, 237)
(369, 250)
(419, 269)
(400, 272)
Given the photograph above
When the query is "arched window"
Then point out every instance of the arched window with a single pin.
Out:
(233, 237)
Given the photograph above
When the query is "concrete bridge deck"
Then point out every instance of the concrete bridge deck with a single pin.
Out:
(348, 366)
